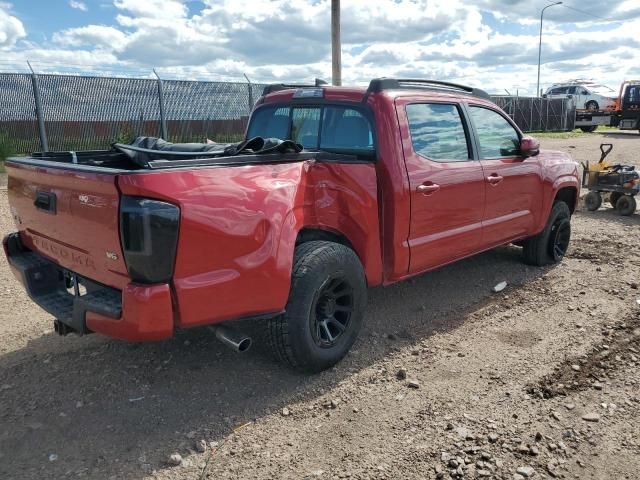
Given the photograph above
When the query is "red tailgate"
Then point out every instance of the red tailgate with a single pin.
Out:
(70, 217)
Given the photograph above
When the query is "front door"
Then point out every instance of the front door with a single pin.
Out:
(513, 184)
(447, 185)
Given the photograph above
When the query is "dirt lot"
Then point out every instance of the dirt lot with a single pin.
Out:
(542, 377)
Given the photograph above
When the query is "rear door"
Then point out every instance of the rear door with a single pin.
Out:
(583, 96)
(69, 215)
(447, 184)
(513, 184)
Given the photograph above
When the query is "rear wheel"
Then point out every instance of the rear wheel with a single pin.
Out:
(325, 308)
(626, 205)
(550, 245)
(592, 105)
(589, 129)
(613, 198)
(592, 201)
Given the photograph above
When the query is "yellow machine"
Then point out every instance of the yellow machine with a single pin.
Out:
(620, 182)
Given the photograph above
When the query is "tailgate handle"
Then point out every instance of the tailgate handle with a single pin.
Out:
(45, 201)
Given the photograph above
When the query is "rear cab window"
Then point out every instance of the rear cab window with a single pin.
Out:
(332, 128)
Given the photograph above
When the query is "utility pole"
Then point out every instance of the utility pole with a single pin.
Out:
(540, 45)
(336, 46)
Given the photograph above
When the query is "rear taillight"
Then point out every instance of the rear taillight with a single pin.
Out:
(149, 236)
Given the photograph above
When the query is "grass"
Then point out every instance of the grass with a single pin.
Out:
(5, 151)
(572, 134)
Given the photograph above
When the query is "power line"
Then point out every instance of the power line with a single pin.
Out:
(589, 14)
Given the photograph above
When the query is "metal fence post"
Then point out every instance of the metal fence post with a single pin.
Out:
(546, 115)
(250, 87)
(163, 120)
(44, 144)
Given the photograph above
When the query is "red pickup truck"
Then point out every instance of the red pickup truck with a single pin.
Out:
(394, 180)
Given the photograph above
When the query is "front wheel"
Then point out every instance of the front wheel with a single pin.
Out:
(325, 309)
(592, 105)
(550, 245)
(589, 129)
(592, 201)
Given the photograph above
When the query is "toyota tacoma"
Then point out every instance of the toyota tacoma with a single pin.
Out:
(336, 189)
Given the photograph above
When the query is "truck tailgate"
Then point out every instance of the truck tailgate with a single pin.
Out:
(71, 217)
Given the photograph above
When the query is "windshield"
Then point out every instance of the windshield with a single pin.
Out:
(602, 90)
(333, 128)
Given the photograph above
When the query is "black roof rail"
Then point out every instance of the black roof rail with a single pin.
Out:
(380, 84)
(274, 87)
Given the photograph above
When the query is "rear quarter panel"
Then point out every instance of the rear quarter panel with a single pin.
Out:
(239, 227)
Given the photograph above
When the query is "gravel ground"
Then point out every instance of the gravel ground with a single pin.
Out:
(448, 380)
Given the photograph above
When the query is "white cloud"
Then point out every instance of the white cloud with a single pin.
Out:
(92, 35)
(487, 43)
(167, 9)
(78, 5)
(11, 28)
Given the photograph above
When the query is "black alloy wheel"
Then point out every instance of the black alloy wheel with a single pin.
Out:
(559, 238)
(333, 309)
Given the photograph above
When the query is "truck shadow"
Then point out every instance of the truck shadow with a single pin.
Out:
(111, 409)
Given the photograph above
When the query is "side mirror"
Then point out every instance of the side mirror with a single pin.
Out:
(529, 147)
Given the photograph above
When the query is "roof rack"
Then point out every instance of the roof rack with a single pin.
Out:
(380, 84)
(577, 81)
(274, 87)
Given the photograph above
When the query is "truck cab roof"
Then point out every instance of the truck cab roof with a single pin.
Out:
(280, 93)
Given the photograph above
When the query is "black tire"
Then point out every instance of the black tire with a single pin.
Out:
(592, 105)
(325, 308)
(589, 129)
(550, 245)
(613, 198)
(626, 205)
(593, 201)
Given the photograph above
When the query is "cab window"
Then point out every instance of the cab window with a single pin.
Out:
(496, 136)
(437, 132)
(305, 126)
(270, 122)
(345, 129)
(333, 128)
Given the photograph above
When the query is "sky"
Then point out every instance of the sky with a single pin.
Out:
(490, 44)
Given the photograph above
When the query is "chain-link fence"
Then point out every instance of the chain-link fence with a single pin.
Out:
(78, 112)
(68, 112)
(533, 114)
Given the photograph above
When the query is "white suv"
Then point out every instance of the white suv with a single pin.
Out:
(589, 96)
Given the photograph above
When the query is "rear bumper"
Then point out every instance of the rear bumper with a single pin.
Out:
(137, 313)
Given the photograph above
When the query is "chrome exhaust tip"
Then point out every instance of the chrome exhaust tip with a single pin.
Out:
(232, 338)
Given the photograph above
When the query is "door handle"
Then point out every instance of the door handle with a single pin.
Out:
(494, 179)
(428, 188)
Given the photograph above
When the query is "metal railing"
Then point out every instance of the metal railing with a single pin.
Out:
(69, 112)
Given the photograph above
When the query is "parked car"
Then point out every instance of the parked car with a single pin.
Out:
(588, 96)
(395, 180)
